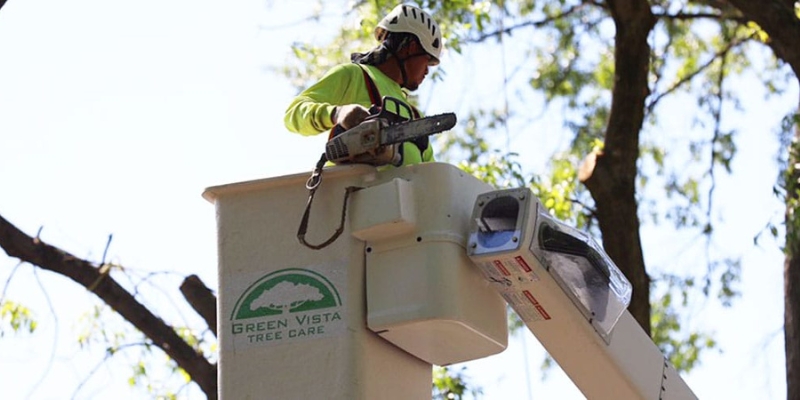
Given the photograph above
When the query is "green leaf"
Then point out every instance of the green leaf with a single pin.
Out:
(17, 317)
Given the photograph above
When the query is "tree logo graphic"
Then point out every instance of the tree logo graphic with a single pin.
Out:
(286, 291)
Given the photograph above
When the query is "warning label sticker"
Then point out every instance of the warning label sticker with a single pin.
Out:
(522, 306)
(536, 304)
(510, 271)
(522, 264)
(522, 269)
(495, 274)
(526, 313)
(525, 305)
(500, 267)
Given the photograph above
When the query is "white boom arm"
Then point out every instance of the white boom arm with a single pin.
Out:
(571, 297)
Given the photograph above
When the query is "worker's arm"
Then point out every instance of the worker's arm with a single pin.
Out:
(313, 111)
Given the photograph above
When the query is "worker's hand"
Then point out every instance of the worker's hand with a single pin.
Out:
(350, 115)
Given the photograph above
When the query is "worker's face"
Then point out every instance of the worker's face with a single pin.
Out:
(416, 65)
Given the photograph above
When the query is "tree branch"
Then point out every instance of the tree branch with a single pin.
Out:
(32, 250)
(535, 24)
(779, 20)
(688, 78)
(201, 299)
(689, 16)
(610, 176)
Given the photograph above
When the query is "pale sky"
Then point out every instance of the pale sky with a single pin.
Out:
(116, 115)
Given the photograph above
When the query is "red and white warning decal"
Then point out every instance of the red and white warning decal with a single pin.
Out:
(536, 304)
(495, 275)
(517, 268)
(522, 264)
(522, 307)
(500, 267)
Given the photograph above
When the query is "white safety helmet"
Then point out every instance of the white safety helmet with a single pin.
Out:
(411, 19)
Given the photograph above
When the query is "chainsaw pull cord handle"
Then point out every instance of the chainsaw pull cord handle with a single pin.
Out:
(312, 184)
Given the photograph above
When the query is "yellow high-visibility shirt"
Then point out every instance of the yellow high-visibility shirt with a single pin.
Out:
(310, 112)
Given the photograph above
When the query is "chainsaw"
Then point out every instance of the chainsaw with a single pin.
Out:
(374, 140)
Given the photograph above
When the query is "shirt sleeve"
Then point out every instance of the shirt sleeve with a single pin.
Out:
(310, 112)
(427, 155)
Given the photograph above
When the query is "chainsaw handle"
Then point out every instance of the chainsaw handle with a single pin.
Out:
(338, 129)
(389, 111)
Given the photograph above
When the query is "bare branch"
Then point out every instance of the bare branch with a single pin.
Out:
(19, 245)
(105, 251)
(535, 24)
(201, 299)
(688, 78)
(110, 352)
(49, 366)
(590, 210)
(682, 16)
(8, 281)
(717, 114)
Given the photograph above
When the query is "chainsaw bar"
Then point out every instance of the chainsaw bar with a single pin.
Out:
(414, 129)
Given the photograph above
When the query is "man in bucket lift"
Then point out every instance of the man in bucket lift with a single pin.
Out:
(410, 42)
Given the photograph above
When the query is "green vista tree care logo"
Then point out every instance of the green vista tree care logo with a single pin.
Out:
(287, 304)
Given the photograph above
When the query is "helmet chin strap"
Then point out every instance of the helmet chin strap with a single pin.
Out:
(401, 63)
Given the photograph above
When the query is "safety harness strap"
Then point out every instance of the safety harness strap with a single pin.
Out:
(375, 97)
(374, 93)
